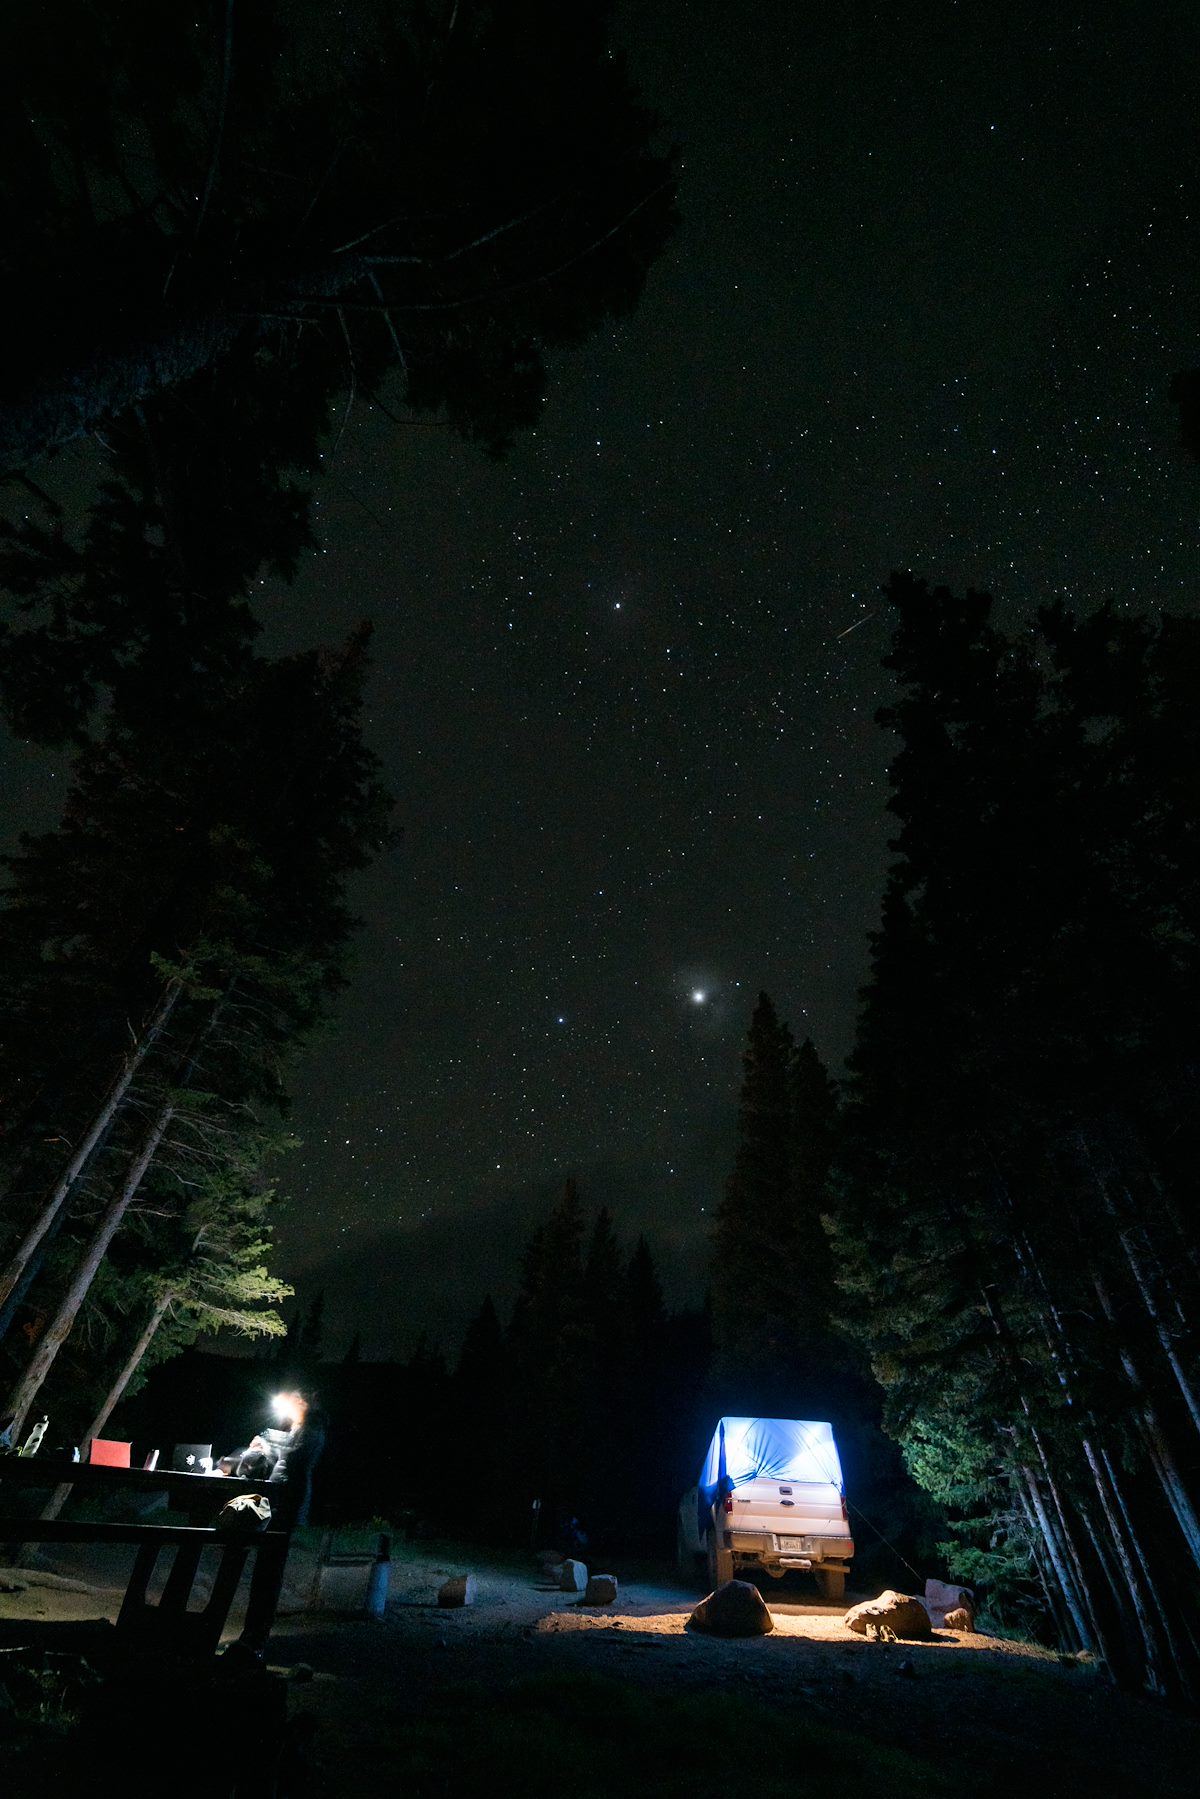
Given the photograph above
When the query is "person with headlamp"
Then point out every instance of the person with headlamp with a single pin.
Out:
(284, 1455)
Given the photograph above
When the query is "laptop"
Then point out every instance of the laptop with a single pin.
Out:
(191, 1458)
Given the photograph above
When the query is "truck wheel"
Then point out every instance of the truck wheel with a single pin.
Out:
(720, 1563)
(831, 1583)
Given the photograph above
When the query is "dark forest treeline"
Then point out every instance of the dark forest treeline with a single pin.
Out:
(583, 1414)
(1012, 1208)
(589, 1399)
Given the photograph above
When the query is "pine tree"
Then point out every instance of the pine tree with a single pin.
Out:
(754, 1246)
(481, 1406)
(308, 1340)
(771, 1275)
(176, 848)
(603, 1289)
(549, 1351)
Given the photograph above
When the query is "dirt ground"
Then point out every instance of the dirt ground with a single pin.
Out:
(1026, 1717)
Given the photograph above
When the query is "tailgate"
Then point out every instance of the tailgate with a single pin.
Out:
(789, 1508)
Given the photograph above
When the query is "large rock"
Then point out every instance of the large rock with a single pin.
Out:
(941, 1599)
(943, 1596)
(898, 1613)
(573, 1578)
(601, 1589)
(960, 1618)
(458, 1590)
(735, 1610)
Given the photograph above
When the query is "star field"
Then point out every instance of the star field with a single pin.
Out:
(935, 274)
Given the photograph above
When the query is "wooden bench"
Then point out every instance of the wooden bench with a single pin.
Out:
(167, 1623)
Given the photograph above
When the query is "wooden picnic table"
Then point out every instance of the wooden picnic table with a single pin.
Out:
(201, 1497)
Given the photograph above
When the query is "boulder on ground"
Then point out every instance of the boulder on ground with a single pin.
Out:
(898, 1613)
(961, 1618)
(736, 1609)
(601, 1589)
(573, 1578)
(458, 1590)
(941, 1597)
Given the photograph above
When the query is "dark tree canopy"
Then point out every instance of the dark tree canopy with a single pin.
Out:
(446, 189)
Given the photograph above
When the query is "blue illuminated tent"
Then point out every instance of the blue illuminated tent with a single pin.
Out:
(784, 1449)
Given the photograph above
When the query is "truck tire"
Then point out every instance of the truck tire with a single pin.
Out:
(831, 1583)
(720, 1562)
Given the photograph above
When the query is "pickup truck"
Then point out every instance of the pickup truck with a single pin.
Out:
(769, 1498)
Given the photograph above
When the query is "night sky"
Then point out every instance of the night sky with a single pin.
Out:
(937, 267)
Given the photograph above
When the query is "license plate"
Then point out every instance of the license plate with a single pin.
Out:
(798, 1544)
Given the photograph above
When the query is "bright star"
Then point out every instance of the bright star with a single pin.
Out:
(698, 996)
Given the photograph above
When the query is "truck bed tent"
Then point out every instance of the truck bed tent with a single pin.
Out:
(783, 1449)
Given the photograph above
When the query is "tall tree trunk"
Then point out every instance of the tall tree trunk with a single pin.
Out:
(1162, 1456)
(1161, 1662)
(1124, 1232)
(1184, 1240)
(1164, 1632)
(59, 1328)
(57, 1198)
(60, 1495)
(1057, 1528)
(1064, 1574)
(136, 1355)
(1052, 1592)
(1156, 1676)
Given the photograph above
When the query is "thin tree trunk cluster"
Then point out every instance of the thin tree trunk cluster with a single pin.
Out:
(122, 1171)
(1085, 1386)
(49, 1211)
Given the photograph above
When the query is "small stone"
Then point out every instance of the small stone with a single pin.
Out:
(961, 1618)
(905, 1667)
(574, 1577)
(459, 1590)
(601, 1589)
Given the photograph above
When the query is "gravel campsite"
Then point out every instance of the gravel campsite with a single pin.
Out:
(526, 1687)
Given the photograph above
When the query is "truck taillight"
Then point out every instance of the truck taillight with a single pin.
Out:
(729, 1502)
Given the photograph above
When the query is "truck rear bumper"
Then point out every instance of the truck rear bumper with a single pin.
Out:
(803, 1552)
